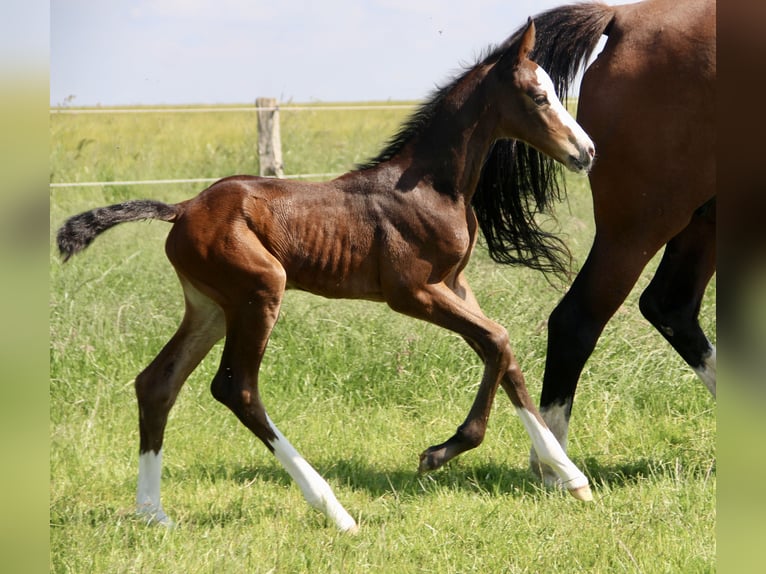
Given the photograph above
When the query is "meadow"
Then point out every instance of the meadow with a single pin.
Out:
(359, 390)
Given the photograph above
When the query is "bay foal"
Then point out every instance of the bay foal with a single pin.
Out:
(398, 230)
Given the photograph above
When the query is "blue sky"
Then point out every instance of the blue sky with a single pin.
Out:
(122, 52)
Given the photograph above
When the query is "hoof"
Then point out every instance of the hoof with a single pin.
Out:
(154, 516)
(351, 530)
(582, 493)
(157, 520)
(428, 461)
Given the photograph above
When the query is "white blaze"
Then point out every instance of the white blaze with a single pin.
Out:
(546, 84)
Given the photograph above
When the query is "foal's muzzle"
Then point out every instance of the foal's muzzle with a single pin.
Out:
(583, 161)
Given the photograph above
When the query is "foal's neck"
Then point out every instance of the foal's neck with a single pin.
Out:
(450, 150)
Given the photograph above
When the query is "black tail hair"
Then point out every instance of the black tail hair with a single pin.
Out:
(79, 231)
(517, 181)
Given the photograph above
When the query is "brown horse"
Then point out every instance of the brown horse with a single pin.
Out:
(399, 229)
(648, 103)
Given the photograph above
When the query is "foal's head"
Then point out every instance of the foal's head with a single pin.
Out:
(530, 111)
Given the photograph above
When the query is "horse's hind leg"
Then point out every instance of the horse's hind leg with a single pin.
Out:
(158, 386)
(254, 297)
(672, 300)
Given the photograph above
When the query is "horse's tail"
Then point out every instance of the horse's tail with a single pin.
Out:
(517, 181)
(79, 231)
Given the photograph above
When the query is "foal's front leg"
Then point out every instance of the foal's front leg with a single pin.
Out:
(490, 341)
(441, 305)
(544, 444)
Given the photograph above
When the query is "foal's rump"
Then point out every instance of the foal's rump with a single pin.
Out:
(320, 236)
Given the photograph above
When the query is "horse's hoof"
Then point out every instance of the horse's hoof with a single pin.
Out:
(582, 493)
(352, 530)
(429, 460)
(156, 519)
(424, 465)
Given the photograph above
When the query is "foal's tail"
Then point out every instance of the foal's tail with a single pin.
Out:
(79, 231)
(517, 181)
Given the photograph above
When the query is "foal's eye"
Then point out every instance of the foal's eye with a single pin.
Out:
(540, 99)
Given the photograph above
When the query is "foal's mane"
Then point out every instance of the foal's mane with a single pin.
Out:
(517, 182)
(428, 109)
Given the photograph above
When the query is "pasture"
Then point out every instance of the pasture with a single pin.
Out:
(359, 390)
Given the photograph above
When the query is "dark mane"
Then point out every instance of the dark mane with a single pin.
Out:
(427, 110)
(518, 182)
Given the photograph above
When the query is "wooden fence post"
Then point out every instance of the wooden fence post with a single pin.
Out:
(269, 139)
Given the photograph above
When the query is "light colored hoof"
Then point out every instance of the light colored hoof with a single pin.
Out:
(582, 493)
(352, 530)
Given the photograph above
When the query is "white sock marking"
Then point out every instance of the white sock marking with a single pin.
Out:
(550, 452)
(706, 372)
(555, 416)
(148, 492)
(315, 489)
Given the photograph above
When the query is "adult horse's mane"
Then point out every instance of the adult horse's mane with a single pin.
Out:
(518, 182)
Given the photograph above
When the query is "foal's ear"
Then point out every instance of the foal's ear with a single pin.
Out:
(527, 41)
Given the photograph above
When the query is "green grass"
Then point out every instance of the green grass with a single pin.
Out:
(126, 147)
(359, 390)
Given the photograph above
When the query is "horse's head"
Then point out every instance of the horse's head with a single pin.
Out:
(530, 110)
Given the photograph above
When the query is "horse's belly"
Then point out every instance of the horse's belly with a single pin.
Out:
(337, 275)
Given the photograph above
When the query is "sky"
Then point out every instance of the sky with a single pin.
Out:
(152, 52)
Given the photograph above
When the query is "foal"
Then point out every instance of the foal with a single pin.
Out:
(398, 230)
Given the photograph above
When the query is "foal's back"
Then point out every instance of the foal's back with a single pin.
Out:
(351, 237)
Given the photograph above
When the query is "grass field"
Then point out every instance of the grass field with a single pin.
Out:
(359, 390)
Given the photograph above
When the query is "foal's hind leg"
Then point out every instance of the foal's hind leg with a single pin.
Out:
(250, 316)
(672, 300)
(157, 388)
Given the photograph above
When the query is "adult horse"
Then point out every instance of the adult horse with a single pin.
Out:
(648, 103)
(399, 230)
